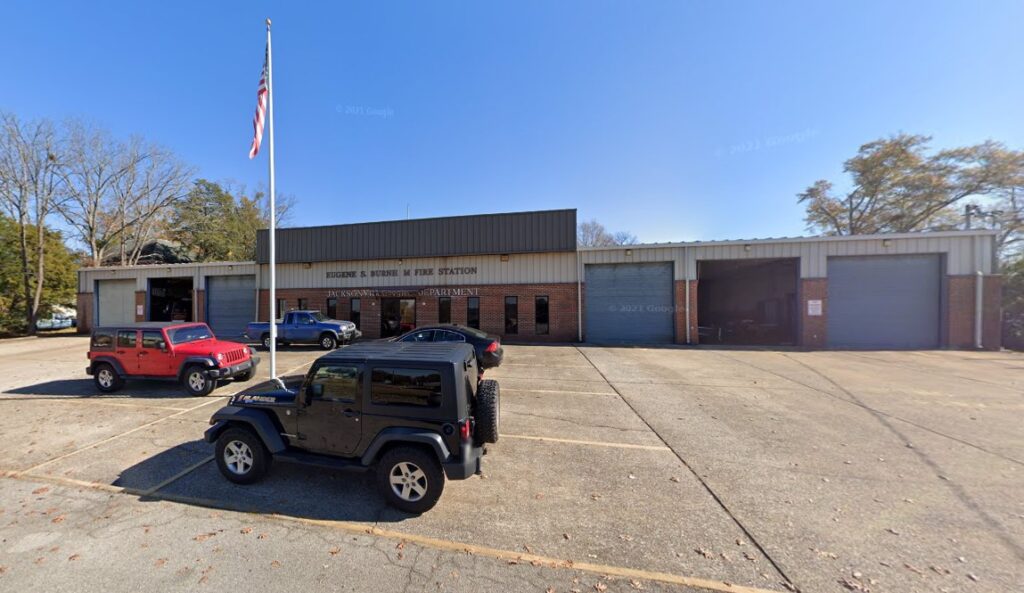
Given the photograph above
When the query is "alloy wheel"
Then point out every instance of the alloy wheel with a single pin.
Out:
(196, 381)
(408, 481)
(105, 377)
(238, 458)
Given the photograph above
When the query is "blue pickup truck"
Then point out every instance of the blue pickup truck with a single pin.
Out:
(305, 327)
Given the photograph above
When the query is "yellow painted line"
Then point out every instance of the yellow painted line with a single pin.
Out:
(547, 366)
(65, 481)
(433, 542)
(589, 443)
(87, 400)
(178, 475)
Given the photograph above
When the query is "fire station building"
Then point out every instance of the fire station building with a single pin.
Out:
(521, 276)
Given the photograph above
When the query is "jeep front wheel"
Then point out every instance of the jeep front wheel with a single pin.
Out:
(106, 378)
(241, 456)
(488, 411)
(410, 479)
(328, 342)
(195, 381)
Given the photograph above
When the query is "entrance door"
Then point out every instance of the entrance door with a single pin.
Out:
(397, 316)
(332, 421)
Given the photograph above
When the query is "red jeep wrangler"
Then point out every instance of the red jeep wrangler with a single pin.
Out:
(184, 352)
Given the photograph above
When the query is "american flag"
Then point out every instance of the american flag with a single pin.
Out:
(261, 111)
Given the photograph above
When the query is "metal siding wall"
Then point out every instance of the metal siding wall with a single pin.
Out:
(87, 277)
(533, 268)
(516, 232)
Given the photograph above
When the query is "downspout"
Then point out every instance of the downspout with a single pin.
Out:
(686, 278)
(979, 293)
(579, 297)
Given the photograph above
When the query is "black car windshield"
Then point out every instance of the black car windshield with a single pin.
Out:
(190, 333)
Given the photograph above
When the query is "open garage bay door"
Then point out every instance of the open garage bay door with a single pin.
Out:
(116, 300)
(230, 304)
(884, 301)
(629, 303)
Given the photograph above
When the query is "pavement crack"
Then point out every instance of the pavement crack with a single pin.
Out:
(707, 487)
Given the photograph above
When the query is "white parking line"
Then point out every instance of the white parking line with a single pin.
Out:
(589, 443)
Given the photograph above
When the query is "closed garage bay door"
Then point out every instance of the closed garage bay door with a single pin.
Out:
(886, 301)
(629, 303)
(116, 300)
(230, 304)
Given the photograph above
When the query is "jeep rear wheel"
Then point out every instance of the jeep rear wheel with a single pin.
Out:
(196, 382)
(106, 378)
(410, 479)
(328, 342)
(488, 411)
(241, 456)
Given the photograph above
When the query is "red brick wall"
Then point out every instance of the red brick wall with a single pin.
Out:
(960, 291)
(84, 304)
(680, 312)
(562, 310)
(813, 329)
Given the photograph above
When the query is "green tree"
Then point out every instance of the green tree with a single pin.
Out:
(1013, 304)
(215, 225)
(59, 285)
(899, 184)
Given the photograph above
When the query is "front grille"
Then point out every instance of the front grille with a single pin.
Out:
(234, 356)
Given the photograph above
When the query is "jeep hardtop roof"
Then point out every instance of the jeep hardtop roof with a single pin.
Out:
(449, 352)
(148, 325)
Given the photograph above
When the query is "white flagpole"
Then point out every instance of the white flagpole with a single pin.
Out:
(273, 217)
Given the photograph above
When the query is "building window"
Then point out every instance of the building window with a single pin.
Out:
(511, 315)
(282, 304)
(540, 315)
(355, 308)
(332, 308)
(473, 312)
(303, 304)
(444, 310)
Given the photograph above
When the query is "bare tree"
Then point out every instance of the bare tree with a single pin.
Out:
(30, 184)
(119, 192)
(593, 234)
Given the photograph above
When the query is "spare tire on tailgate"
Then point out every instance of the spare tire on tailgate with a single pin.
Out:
(488, 409)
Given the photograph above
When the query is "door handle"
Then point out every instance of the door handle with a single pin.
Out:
(143, 353)
(350, 413)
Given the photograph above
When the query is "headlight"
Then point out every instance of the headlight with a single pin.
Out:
(220, 356)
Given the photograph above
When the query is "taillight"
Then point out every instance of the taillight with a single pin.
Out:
(492, 347)
(464, 429)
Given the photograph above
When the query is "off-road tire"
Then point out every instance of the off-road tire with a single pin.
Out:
(106, 378)
(420, 471)
(193, 386)
(327, 341)
(488, 411)
(241, 456)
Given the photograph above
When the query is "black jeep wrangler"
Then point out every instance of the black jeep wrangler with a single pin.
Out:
(415, 412)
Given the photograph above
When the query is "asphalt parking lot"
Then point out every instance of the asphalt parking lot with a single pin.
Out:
(618, 469)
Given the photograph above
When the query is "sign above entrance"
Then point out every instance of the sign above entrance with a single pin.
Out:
(400, 292)
(396, 272)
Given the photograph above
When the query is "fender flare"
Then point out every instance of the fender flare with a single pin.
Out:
(112, 362)
(205, 361)
(406, 435)
(256, 419)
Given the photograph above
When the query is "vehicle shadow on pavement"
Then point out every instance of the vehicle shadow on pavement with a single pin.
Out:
(78, 388)
(292, 490)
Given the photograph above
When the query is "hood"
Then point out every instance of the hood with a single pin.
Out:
(340, 323)
(277, 397)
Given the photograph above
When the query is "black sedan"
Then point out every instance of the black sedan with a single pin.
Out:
(488, 348)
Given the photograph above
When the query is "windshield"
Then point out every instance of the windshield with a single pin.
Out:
(317, 316)
(190, 333)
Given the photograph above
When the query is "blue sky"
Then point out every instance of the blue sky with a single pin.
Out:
(672, 120)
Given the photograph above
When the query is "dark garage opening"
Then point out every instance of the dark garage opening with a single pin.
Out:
(747, 302)
(170, 299)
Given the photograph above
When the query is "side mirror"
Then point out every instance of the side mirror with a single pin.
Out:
(162, 345)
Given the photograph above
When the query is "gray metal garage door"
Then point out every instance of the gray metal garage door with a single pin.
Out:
(116, 300)
(629, 303)
(230, 304)
(887, 301)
